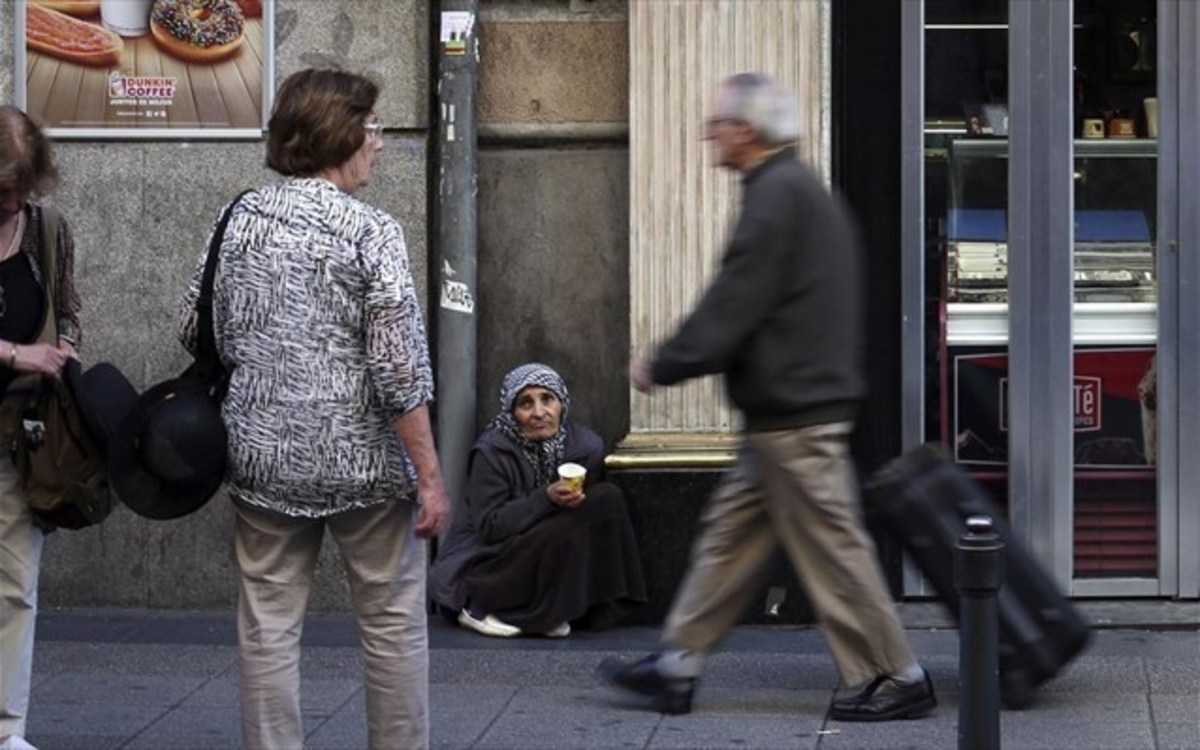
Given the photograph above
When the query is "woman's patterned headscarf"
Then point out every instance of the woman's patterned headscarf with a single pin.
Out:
(545, 456)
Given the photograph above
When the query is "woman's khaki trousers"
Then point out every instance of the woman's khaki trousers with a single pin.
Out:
(385, 565)
(20, 558)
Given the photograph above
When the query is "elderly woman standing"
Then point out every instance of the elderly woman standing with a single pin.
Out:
(526, 552)
(27, 171)
(316, 316)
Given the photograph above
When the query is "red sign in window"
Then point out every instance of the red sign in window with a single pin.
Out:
(1112, 428)
(1088, 404)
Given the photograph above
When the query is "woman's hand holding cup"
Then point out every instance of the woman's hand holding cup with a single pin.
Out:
(567, 492)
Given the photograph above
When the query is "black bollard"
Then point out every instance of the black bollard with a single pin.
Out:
(978, 575)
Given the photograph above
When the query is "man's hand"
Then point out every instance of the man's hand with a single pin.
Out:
(640, 377)
(435, 512)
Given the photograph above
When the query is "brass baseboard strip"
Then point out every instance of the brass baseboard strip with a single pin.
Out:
(673, 451)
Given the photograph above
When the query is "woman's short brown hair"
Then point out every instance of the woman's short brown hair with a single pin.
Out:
(316, 121)
(26, 159)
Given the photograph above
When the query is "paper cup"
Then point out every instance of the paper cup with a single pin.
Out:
(573, 475)
(126, 17)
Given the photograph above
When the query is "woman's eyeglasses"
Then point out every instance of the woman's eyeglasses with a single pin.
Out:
(374, 129)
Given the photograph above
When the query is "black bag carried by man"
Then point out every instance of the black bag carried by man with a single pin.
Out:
(168, 454)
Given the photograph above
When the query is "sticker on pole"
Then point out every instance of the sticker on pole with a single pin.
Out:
(457, 296)
(456, 27)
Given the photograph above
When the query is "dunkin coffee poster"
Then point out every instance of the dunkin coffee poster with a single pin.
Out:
(146, 68)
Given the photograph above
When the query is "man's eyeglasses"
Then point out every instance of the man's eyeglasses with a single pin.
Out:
(714, 125)
(374, 129)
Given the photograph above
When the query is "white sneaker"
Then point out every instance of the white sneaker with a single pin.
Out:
(489, 625)
(560, 631)
(13, 742)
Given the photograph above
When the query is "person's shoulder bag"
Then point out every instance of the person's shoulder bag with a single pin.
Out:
(207, 372)
(168, 454)
(59, 462)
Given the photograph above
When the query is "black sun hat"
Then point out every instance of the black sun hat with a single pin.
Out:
(167, 458)
(104, 396)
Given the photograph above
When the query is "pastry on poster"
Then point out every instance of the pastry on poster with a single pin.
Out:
(66, 37)
(251, 8)
(81, 8)
(198, 31)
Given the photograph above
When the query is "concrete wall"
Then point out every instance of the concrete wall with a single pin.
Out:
(554, 275)
(553, 242)
(554, 201)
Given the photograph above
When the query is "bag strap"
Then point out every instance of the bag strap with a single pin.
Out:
(48, 333)
(50, 222)
(34, 384)
(206, 342)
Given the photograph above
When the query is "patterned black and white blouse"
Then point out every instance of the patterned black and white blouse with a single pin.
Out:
(315, 313)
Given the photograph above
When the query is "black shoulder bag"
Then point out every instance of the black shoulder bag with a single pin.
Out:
(169, 453)
(206, 371)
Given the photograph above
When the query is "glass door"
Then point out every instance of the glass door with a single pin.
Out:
(961, 251)
(1046, 339)
(1115, 411)
(966, 200)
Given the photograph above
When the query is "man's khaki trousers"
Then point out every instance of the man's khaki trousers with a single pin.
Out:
(385, 565)
(796, 488)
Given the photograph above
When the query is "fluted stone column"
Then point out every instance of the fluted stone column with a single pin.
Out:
(681, 206)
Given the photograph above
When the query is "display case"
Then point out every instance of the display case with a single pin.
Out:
(1115, 211)
(1114, 323)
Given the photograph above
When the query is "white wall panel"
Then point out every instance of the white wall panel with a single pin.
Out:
(680, 50)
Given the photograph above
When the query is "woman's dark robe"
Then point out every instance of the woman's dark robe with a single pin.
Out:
(512, 553)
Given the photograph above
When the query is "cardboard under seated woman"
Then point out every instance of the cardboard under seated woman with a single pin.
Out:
(526, 553)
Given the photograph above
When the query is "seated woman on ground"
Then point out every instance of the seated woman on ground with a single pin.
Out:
(527, 553)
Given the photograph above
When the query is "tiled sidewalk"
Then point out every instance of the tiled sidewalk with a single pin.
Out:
(168, 681)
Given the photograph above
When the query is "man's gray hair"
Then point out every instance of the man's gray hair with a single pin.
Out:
(758, 101)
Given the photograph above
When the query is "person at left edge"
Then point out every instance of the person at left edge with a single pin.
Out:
(27, 171)
(316, 317)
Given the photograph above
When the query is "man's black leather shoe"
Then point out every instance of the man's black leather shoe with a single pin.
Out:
(672, 695)
(885, 699)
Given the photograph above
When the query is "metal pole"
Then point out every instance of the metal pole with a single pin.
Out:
(979, 574)
(454, 273)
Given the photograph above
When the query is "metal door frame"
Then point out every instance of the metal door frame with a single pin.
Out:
(1179, 254)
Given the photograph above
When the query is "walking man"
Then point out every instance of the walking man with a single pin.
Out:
(782, 322)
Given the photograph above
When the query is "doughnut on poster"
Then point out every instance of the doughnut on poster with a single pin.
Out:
(146, 68)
